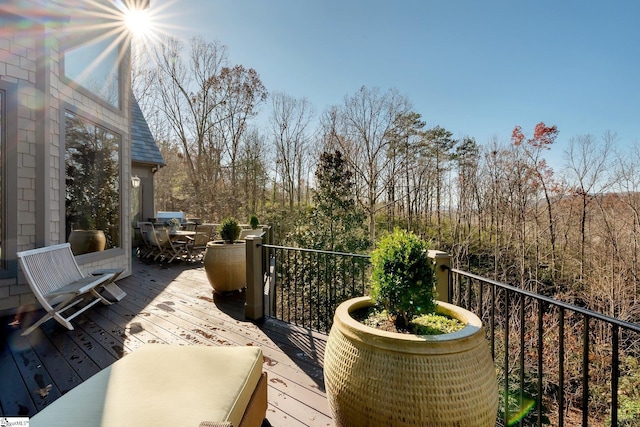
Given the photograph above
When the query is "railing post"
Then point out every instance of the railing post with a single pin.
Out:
(253, 308)
(442, 261)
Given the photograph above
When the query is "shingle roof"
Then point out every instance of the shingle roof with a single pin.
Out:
(143, 146)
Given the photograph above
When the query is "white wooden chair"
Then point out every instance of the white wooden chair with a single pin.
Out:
(58, 283)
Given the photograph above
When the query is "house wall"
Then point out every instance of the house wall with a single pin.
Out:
(34, 184)
(146, 175)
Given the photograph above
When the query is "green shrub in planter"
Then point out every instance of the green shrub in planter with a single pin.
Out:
(253, 222)
(229, 230)
(402, 278)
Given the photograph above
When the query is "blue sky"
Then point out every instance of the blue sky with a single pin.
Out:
(476, 68)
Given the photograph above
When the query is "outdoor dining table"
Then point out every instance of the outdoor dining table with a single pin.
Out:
(176, 234)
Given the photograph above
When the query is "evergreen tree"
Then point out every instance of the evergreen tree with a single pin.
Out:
(336, 223)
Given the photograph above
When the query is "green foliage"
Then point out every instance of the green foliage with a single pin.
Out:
(427, 324)
(335, 223)
(629, 395)
(253, 222)
(435, 324)
(229, 230)
(92, 180)
(402, 278)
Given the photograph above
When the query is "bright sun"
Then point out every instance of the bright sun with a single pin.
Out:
(138, 22)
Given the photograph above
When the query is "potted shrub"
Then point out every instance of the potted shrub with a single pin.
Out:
(173, 224)
(380, 377)
(253, 223)
(225, 259)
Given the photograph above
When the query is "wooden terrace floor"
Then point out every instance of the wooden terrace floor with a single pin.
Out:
(166, 304)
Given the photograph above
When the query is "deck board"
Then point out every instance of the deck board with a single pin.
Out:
(164, 304)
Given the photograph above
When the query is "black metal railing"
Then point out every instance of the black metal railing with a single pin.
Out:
(557, 363)
(308, 284)
(550, 356)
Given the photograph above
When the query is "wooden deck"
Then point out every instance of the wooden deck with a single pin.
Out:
(166, 304)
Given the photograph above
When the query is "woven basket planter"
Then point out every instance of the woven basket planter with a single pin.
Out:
(225, 265)
(376, 378)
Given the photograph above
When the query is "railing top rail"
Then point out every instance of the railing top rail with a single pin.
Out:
(290, 248)
(621, 323)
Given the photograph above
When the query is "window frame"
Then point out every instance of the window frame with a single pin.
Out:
(120, 249)
(9, 171)
(75, 42)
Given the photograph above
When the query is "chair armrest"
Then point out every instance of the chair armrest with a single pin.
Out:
(115, 271)
(82, 286)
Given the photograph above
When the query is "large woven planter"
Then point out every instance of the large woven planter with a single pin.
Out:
(379, 378)
(225, 265)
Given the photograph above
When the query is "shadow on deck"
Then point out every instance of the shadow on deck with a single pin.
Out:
(171, 304)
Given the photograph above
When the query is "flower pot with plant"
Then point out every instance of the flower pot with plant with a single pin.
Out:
(225, 259)
(384, 377)
(173, 224)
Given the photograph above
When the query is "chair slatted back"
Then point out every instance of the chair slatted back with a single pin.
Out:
(204, 234)
(162, 238)
(50, 268)
(144, 231)
(150, 231)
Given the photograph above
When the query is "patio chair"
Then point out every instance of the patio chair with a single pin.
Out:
(197, 245)
(58, 283)
(189, 226)
(145, 249)
(170, 249)
(157, 247)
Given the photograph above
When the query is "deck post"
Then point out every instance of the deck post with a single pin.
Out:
(253, 308)
(442, 262)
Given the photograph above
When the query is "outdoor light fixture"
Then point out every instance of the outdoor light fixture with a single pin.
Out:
(135, 181)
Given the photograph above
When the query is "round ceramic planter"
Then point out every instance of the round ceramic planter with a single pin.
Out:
(225, 265)
(86, 241)
(375, 377)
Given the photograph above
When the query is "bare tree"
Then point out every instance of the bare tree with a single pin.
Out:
(366, 118)
(240, 91)
(404, 136)
(207, 105)
(189, 97)
(586, 164)
(439, 144)
(467, 157)
(540, 173)
(290, 119)
(253, 170)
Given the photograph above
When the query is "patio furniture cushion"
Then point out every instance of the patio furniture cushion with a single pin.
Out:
(162, 385)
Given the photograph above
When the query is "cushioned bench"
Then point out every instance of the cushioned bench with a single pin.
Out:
(168, 385)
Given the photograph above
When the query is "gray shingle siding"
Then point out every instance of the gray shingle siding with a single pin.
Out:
(143, 146)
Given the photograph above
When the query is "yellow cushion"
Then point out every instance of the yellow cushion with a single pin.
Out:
(162, 385)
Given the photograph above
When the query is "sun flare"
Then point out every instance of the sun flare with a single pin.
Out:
(138, 22)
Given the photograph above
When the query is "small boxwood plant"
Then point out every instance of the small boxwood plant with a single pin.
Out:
(253, 222)
(402, 277)
(229, 230)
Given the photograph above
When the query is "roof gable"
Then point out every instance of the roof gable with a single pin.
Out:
(143, 146)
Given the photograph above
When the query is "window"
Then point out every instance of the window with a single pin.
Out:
(95, 66)
(92, 174)
(2, 180)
